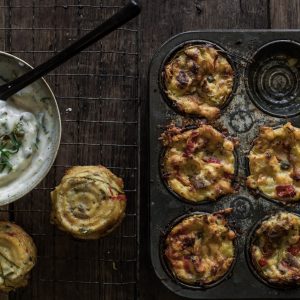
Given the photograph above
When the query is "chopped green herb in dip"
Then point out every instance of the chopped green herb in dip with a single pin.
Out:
(19, 134)
(9, 145)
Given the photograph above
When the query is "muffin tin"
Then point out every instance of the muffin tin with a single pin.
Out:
(266, 93)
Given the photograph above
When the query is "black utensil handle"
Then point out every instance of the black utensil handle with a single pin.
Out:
(127, 13)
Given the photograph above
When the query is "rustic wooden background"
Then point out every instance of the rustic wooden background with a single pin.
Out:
(102, 95)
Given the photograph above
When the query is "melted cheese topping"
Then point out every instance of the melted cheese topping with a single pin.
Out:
(276, 249)
(274, 162)
(199, 80)
(89, 202)
(198, 164)
(200, 249)
(17, 256)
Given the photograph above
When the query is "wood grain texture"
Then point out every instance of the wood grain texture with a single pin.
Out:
(285, 13)
(163, 19)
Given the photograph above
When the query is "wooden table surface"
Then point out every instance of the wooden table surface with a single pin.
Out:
(102, 95)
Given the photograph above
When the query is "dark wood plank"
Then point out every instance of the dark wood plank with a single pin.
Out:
(161, 20)
(285, 13)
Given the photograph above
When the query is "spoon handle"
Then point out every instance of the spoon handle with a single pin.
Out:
(131, 10)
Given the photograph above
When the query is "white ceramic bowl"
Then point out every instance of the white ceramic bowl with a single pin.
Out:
(37, 97)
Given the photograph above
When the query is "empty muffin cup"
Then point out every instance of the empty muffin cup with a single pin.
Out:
(273, 78)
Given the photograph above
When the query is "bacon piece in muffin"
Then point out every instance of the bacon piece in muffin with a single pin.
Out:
(274, 163)
(275, 249)
(198, 164)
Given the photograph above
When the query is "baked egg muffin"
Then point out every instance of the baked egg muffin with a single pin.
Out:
(17, 256)
(274, 163)
(198, 80)
(198, 164)
(275, 249)
(89, 202)
(200, 250)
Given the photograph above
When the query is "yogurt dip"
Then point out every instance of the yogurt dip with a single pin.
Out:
(23, 136)
(30, 131)
(19, 133)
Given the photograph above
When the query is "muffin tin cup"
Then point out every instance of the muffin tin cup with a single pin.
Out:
(243, 119)
(284, 202)
(273, 78)
(171, 55)
(191, 202)
(172, 275)
(250, 262)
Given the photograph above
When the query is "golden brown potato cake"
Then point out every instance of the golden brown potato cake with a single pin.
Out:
(89, 202)
(17, 256)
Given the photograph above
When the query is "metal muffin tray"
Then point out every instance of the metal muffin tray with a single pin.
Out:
(267, 93)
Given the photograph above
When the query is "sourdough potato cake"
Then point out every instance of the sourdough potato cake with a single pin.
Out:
(198, 164)
(275, 249)
(199, 250)
(17, 256)
(274, 163)
(198, 80)
(89, 202)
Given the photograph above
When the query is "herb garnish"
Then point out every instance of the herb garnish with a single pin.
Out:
(10, 144)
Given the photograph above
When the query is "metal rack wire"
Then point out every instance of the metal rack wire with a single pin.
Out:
(98, 95)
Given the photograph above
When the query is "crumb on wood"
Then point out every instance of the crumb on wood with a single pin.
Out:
(198, 6)
(114, 266)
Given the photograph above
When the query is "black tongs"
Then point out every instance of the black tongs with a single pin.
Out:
(131, 10)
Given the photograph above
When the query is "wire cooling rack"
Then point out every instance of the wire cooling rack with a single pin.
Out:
(98, 96)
